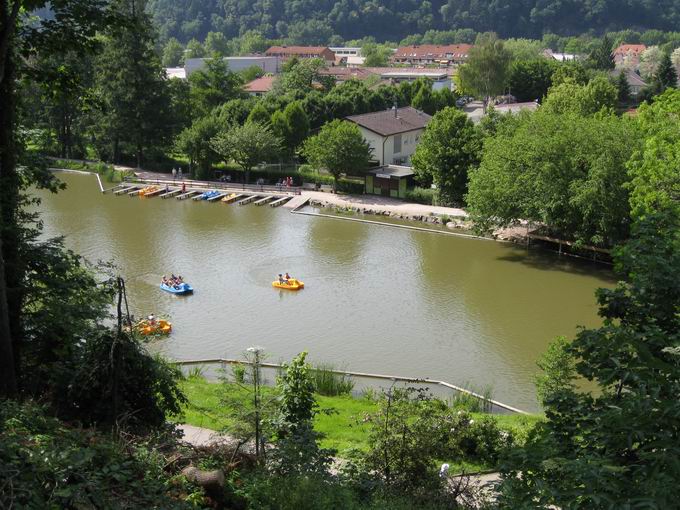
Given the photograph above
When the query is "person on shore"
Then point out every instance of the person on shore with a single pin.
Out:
(179, 173)
(174, 174)
(184, 187)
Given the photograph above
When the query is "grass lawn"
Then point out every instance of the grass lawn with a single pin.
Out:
(342, 426)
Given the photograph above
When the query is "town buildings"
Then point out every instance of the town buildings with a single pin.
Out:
(288, 52)
(432, 55)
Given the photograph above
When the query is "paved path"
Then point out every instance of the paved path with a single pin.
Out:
(378, 203)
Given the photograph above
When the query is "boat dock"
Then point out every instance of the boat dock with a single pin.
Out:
(235, 196)
(170, 193)
(248, 199)
(280, 201)
(188, 194)
(264, 200)
(274, 196)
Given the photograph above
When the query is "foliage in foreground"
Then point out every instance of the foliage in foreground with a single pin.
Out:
(46, 464)
(618, 447)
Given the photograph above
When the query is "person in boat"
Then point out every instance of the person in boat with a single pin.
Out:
(287, 278)
(281, 280)
(152, 320)
(180, 280)
(164, 281)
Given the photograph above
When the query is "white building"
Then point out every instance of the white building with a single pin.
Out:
(392, 134)
(270, 65)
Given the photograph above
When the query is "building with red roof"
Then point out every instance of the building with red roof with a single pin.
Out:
(432, 54)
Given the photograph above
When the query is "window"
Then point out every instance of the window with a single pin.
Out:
(397, 144)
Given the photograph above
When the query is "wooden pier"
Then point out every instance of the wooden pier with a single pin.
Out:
(264, 200)
(217, 197)
(155, 192)
(248, 199)
(125, 190)
(188, 194)
(229, 200)
(171, 193)
(135, 192)
(280, 201)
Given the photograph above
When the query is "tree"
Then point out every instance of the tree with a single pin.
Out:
(259, 114)
(601, 56)
(622, 87)
(173, 53)
(654, 167)
(557, 169)
(72, 28)
(247, 145)
(529, 80)
(449, 149)
(650, 60)
(134, 105)
(375, 55)
(666, 76)
(212, 86)
(216, 44)
(291, 126)
(251, 73)
(590, 99)
(524, 49)
(339, 148)
(195, 142)
(614, 446)
(485, 72)
(424, 100)
(675, 58)
(195, 49)
(299, 76)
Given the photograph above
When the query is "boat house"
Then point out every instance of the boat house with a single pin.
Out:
(388, 181)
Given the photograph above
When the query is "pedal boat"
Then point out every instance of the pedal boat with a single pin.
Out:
(159, 327)
(292, 284)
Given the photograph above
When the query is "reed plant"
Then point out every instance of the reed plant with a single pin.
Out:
(327, 381)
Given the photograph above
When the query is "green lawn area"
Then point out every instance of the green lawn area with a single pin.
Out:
(343, 428)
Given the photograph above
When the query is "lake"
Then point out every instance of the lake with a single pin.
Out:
(471, 312)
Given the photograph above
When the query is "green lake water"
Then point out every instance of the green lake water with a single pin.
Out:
(377, 299)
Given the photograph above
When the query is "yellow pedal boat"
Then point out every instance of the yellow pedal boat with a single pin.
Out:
(149, 189)
(292, 284)
(228, 197)
(158, 327)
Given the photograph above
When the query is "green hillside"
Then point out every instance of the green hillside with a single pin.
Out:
(323, 21)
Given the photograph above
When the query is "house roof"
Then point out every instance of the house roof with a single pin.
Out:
(261, 84)
(389, 171)
(386, 123)
(434, 51)
(624, 49)
(346, 73)
(298, 50)
(176, 72)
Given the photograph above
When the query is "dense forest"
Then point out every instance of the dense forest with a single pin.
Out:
(321, 21)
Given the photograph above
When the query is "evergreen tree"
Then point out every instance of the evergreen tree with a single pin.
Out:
(601, 56)
(132, 88)
(622, 87)
(298, 124)
(259, 114)
(666, 76)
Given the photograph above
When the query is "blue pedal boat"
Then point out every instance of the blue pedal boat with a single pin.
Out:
(209, 194)
(182, 288)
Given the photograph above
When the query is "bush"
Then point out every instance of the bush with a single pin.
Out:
(115, 382)
(45, 464)
(421, 195)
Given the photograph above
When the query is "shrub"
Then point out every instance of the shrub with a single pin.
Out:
(45, 464)
(421, 195)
